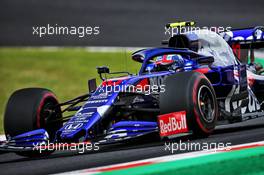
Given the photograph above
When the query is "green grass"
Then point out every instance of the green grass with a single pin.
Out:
(64, 71)
(259, 60)
(245, 161)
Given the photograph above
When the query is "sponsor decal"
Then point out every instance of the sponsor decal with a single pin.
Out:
(157, 80)
(157, 83)
(97, 101)
(172, 123)
(252, 106)
(100, 96)
(73, 126)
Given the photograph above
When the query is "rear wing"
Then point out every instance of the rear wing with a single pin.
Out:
(244, 41)
(248, 38)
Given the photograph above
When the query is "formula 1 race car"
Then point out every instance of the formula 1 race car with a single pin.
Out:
(187, 88)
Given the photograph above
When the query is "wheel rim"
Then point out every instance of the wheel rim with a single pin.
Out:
(206, 103)
(47, 118)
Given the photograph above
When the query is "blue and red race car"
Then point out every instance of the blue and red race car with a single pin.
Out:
(187, 88)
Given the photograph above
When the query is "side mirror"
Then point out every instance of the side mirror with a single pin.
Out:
(103, 69)
(92, 85)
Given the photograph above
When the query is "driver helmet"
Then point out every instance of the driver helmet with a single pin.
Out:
(171, 59)
(174, 60)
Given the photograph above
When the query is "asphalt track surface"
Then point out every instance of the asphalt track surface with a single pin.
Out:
(10, 163)
(122, 22)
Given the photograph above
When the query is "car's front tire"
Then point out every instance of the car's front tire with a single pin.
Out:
(29, 109)
(191, 92)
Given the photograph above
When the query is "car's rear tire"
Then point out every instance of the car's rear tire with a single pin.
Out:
(191, 92)
(29, 109)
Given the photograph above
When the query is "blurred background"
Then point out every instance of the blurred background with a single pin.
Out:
(122, 22)
(64, 63)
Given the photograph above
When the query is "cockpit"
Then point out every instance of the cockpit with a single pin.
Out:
(164, 63)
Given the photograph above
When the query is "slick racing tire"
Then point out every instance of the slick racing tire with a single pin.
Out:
(29, 109)
(193, 93)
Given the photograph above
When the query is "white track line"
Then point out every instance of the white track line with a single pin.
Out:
(259, 54)
(161, 159)
(2, 137)
(113, 49)
(88, 49)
